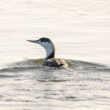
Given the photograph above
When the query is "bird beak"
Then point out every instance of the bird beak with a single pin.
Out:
(33, 41)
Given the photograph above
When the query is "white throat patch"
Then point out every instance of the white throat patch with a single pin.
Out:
(48, 47)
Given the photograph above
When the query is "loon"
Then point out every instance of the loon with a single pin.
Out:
(50, 60)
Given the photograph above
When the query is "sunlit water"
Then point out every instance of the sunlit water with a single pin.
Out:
(80, 31)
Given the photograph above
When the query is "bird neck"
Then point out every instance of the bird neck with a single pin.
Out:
(50, 51)
(52, 55)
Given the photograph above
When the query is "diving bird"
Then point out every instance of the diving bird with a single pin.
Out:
(49, 47)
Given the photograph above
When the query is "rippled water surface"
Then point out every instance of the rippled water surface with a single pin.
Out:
(80, 31)
(28, 85)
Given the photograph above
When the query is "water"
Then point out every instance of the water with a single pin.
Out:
(80, 32)
(31, 85)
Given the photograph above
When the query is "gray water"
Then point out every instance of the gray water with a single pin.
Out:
(80, 31)
(28, 85)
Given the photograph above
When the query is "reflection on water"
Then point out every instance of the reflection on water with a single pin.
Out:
(31, 85)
